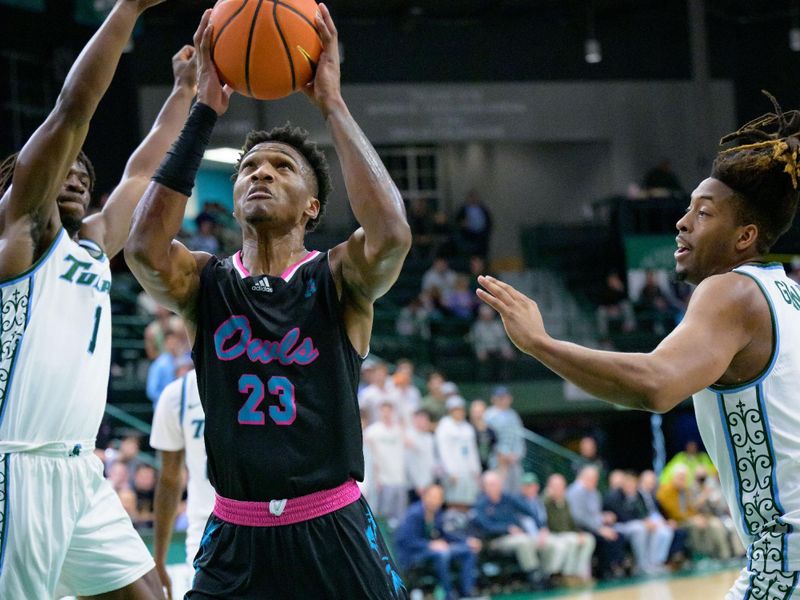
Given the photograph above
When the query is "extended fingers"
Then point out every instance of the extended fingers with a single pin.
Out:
(497, 288)
(198, 35)
(490, 300)
(325, 26)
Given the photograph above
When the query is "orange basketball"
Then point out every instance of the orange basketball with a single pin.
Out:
(265, 49)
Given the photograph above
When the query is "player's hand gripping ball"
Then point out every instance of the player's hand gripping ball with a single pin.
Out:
(265, 49)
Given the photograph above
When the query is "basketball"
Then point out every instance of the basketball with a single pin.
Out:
(265, 49)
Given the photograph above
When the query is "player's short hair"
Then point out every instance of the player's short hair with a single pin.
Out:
(763, 171)
(10, 162)
(297, 138)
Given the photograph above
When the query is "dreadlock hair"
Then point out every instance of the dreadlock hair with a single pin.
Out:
(297, 138)
(10, 162)
(763, 171)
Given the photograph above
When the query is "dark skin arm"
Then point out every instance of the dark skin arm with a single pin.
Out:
(719, 340)
(30, 219)
(167, 270)
(109, 228)
(168, 496)
(369, 262)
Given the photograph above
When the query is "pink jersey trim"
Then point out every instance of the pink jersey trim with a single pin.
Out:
(237, 262)
(296, 510)
(287, 274)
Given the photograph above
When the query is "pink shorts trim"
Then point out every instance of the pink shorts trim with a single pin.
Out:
(286, 512)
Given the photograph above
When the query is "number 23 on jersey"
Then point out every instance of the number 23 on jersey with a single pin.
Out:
(283, 414)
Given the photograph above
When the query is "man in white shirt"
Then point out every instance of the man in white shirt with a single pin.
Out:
(420, 453)
(380, 390)
(385, 441)
(458, 453)
(178, 435)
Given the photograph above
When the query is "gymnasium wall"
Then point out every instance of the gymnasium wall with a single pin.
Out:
(537, 152)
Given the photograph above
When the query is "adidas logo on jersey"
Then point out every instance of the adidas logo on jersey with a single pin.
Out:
(262, 285)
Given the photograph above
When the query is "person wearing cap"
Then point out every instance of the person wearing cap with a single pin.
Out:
(499, 516)
(510, 448)
(458, 453)
(554, 548)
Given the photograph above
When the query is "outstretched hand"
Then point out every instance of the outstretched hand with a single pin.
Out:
(184, 68)
(520, 314)
(325, 89)
(210, 90)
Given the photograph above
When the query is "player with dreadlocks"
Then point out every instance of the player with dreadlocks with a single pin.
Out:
(737, 351)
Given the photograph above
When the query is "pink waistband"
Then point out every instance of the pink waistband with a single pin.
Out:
(286, 512)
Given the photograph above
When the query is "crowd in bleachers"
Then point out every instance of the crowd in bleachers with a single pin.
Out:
(448, 479)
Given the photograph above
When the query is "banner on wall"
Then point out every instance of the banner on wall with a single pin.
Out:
(650, 252)
(32, 5)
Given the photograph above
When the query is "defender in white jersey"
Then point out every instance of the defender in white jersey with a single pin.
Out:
(178, 433)
(63, 530)
(737, 351)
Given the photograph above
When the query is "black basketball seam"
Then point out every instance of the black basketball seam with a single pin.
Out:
(301, 15)
(275, 4)
(249, 47)
(222, 29)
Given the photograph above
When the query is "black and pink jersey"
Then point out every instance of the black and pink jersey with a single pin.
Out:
(278, 379)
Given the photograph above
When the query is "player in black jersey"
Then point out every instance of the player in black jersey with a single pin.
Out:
(279, 334)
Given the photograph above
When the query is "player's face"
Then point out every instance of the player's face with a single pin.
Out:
(273, 187)
(74, 197)
(707, 233)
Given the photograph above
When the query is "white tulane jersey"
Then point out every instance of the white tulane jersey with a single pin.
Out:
(752, 432)
(55, 347)
(178, 425)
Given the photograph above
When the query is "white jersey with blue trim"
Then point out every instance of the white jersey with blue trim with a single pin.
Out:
(752, 433)
(178, 424)
(55, 347)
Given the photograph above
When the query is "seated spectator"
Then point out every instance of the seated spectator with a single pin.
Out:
(164, 369)
(492, 348)
(420, 454)
(586, 508)
(648, 485)
(439, 277)
(118, 476)
(691, 458)
(422, 538)
(155, 332)
(144, 484)
(655, 306)
(650, 539)
(477, 267)
(458, 454)
(484, 435)
(498, 518)
(680, 502)
(380, 390)
(577, 566)
(616, 478)
(128, 454)
(414, 320)
(461, 302)
(204, 239)
(714, 505)
(388, 477)
(614, 311)
(128, 499)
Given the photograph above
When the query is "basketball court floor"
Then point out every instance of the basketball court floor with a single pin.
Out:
(701, 586)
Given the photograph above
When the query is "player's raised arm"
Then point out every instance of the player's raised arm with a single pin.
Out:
(29, 210)
(723, 308)
(167, 270)
(370, 261)
(110, 227)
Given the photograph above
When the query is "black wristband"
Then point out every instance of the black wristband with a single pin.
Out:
(179, 167)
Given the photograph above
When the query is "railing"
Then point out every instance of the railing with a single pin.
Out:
(544, 457)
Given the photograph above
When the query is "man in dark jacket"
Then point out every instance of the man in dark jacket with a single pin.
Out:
(421, 538)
